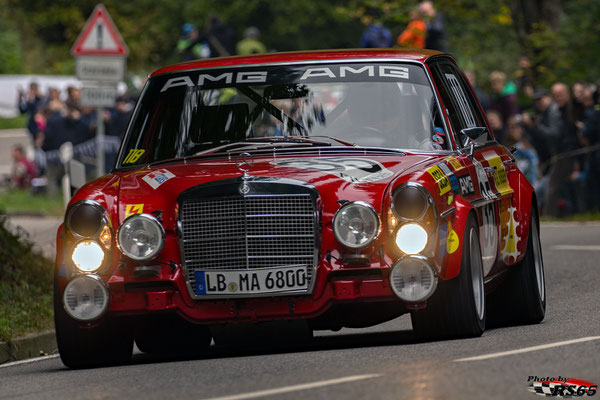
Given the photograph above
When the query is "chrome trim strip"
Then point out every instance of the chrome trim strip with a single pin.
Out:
(447, 212)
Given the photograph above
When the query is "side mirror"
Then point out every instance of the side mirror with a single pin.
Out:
(474, 133)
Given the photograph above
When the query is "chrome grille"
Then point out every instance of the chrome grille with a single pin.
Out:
(247, 232)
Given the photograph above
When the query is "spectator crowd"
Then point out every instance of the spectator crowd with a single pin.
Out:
(56, 118)
(556, 134)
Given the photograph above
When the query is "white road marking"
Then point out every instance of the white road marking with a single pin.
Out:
(29, 360)
(294, 388)
(576, 247)
(528, 349)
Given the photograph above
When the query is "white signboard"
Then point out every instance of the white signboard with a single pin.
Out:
(98, 96)
(100, 68)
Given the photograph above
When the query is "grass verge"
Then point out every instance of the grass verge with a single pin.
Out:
(25, 286)
(23, 202)
(14, 123)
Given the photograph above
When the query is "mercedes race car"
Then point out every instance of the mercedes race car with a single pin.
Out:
(297, 192)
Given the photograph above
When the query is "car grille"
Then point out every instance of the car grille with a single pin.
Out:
(263, 231)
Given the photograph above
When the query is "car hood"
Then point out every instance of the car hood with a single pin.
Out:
(350, 178)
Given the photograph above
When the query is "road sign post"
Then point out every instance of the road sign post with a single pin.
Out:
(100, 58)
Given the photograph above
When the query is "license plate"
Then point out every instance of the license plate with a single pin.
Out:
(243, 282)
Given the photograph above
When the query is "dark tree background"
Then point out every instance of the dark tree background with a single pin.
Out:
(562, 37)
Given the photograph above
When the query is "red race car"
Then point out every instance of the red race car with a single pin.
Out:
(298, 191)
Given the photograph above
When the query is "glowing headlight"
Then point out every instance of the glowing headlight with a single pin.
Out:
(85, 218)
(86, 298)
(87, 256)
(356, 224)
(141, 237)
(411, 238)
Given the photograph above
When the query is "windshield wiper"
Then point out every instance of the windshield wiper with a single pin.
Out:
(289, 139)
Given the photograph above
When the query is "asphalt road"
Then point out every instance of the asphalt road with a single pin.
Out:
(383, 362)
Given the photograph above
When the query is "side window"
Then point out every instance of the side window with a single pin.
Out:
(461, 107)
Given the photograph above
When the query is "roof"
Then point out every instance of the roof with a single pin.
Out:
(315, 55)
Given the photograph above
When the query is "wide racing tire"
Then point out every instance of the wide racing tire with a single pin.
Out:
(109, 342)
(170, 334)
(521, 298)
(457, 308)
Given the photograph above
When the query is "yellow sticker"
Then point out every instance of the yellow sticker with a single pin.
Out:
(452, 241)
(455, 163)
(450, 199)
(440, 178)
(133, 156)
(500, 174)
(131, 209)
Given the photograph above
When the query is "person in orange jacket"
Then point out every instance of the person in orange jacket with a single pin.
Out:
(413, 36)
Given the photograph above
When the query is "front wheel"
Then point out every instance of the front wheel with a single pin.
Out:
(457, 308)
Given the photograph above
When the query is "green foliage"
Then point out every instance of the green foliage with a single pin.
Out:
(17, 122)
(10, 49)
(482, 35)
(20, 201)
(25, 285)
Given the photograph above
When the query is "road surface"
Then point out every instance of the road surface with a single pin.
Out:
(383, 362)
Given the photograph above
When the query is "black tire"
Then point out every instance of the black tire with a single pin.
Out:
(521, 299)
(109, 343)
(457, 308)
(170, 334)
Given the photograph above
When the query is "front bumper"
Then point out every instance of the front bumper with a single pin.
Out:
(331, 288)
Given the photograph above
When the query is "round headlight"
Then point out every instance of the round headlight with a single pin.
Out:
(85, 218)
(87, 256)
(411, 238)
(410, 203)
(356, 224)
(413, 279)
(141, 237)
(86, 298)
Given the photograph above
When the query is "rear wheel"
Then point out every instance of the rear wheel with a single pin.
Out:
(522, 297)
(457, 308)
(171, 334)
(108, 343)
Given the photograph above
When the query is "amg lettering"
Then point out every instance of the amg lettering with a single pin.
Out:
(228, 76)
(312, 72)
(368, 68)
(179, 81)
(389, 71)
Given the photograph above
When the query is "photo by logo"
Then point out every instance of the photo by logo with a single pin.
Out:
(561, 386)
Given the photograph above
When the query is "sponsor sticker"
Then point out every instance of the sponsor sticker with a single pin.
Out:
(438, 139)
(500, 179)
(483, 182)
(131, 209)
(435, 146)
(439, 131)
(448, 172)
(559, 386)
(510, 253)
(466, 185)
(354, 170)
(158, 177)
(488, 237)
(452, 241)
(454, 163)
(441, 179)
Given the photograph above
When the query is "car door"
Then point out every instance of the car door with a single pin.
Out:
(484, 183)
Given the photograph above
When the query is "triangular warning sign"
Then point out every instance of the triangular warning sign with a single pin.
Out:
(99, 37)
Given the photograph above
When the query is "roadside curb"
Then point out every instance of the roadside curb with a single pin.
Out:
(28, 346)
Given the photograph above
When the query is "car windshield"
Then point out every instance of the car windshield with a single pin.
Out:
(387, 105)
